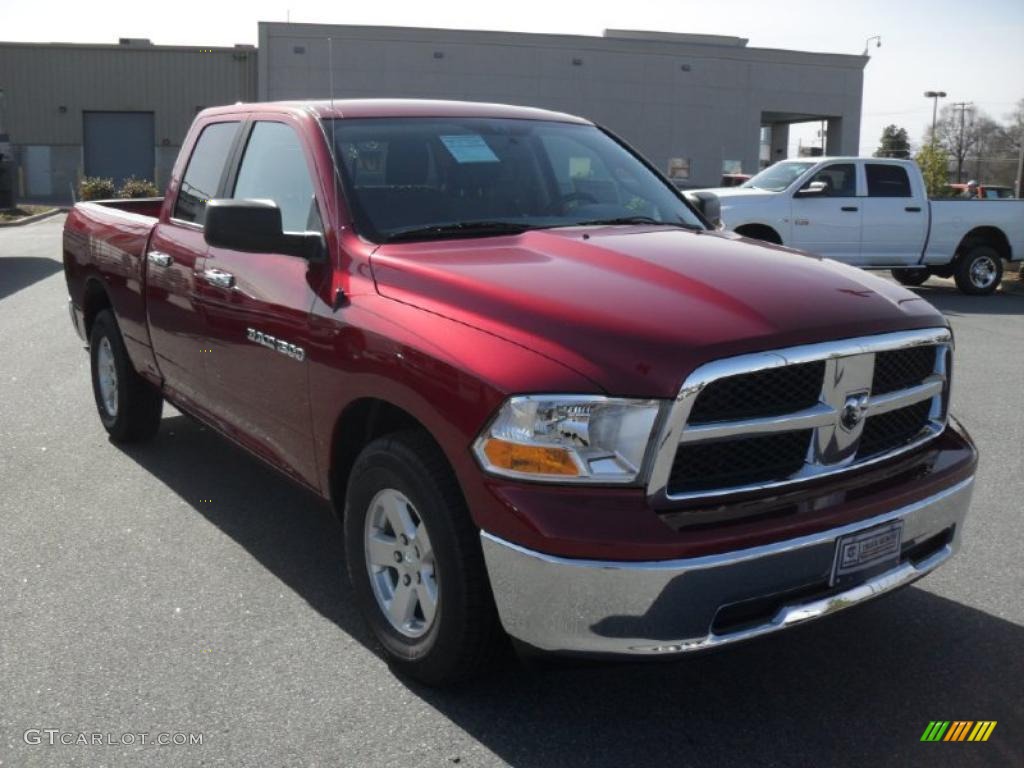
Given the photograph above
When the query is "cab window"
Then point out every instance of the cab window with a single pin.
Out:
(274, 168)
(886, 180)
(840, 180)
(203, 173)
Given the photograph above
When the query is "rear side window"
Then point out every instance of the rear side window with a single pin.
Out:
(274, 168)
(205, 167)
(887, 181)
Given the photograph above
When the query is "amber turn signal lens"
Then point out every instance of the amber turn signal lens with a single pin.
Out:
(530, 459)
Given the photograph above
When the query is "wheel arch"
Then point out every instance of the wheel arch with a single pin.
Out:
(95, 299)
(987, 235)
(362, 421)
(759, 231)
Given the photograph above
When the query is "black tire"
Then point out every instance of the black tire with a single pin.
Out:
(138, 405)
(979, 270)
(911, 276)
(464, 632)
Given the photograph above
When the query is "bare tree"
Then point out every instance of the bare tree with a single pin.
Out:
(957, 134)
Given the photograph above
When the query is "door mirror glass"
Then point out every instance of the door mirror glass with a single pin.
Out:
(255, 226)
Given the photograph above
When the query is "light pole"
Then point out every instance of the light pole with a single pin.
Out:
(934, 96)
(867, 43)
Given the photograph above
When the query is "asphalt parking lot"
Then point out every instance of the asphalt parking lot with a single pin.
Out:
(130, 604)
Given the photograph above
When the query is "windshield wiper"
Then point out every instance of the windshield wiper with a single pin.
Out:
(631, 220)
(459, 229)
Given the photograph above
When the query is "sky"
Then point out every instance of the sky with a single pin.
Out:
(972, 49)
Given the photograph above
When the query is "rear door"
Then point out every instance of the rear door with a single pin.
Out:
(176, 251)
(829, 223)
(252, 301)
(895, 219)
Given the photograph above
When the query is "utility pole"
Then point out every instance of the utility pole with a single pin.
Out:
(961, 154)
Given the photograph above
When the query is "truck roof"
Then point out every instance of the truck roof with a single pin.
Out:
(848, 158)
(354, 108)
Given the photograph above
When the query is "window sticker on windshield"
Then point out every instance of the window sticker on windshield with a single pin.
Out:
(469, 148)
(579, 167)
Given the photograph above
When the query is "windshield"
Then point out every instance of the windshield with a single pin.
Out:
(779, 176)
(423, 178)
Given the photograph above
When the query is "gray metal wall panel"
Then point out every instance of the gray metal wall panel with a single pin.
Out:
(710, 112)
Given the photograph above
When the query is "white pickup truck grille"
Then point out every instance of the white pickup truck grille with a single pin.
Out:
(770, 419)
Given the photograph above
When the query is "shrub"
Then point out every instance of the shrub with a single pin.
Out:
(96, 188)
(134, 187)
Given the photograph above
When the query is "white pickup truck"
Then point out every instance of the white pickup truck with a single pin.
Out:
(874, 213)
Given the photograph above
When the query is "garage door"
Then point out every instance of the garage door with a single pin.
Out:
(119, 145)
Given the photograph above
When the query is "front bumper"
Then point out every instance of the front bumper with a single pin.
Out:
(663, 607)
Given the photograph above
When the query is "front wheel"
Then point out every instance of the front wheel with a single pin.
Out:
(129, 406)
(911, 277)
(415, 562)
(979, 270)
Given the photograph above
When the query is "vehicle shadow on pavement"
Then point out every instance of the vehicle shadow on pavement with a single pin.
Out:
(951, 302)
(289, 530)
(858, 688)
(17, 272)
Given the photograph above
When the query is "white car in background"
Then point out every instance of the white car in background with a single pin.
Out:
(874, 213)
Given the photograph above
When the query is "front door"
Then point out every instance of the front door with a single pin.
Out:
(176, 252)
(257, 311)
(828, 223)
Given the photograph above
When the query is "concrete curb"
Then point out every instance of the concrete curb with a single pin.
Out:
(33, 218)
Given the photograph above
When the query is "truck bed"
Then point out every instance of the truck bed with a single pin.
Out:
(106, 241)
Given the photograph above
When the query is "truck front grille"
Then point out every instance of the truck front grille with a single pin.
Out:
(892, 430)
(741, 461)
(774, 418)
(773, 392)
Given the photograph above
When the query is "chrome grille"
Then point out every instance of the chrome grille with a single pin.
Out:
(770, 419)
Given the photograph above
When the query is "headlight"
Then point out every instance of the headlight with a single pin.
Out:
(569, 438)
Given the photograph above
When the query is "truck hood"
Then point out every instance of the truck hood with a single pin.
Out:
(742, 194)
(635, 309)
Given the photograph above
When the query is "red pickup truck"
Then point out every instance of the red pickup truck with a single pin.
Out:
(546, 398)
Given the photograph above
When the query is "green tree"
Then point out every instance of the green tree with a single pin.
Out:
(934, 163)
(894, 143)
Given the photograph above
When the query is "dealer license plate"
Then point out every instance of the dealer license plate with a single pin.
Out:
(876, 549)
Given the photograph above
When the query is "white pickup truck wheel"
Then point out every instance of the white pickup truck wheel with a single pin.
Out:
(129, 406)
(415, 563)
(979, 270)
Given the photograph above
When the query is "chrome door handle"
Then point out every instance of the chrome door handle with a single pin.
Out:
(159, 258)
(219, 278)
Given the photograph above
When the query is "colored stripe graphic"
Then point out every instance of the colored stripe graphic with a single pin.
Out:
(958, 730)
(935, 730)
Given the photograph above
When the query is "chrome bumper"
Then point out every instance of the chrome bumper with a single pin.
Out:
(77, 320)
(664, 607)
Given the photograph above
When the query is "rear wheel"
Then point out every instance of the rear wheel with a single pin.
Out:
(909, 276)
(129, 406)
(979, 270)
(415, 562)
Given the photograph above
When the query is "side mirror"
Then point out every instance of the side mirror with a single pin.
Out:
(812, 189)
(255, 226)
(709, 205)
